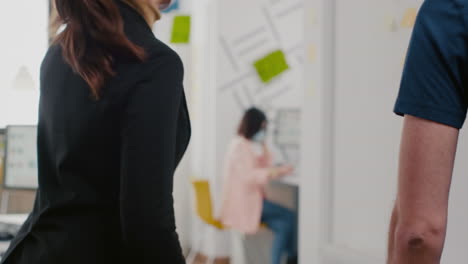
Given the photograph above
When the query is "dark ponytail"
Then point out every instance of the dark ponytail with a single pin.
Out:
(93, 36)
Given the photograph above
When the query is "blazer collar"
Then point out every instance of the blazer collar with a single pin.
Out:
(129, 14)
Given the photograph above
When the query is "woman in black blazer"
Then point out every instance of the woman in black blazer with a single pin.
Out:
(113, 126)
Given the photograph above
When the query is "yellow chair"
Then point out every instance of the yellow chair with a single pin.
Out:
(203, 203)
(204, 209)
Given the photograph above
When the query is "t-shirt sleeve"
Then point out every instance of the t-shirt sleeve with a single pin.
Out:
(433, 81)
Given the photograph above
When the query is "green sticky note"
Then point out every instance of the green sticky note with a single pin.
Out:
(181, 29)
(271, 66)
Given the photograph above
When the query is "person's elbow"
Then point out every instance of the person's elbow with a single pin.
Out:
(421, 237)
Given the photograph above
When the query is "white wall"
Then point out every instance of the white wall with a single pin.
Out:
(24, 27)
(315, 183)
(355, 135)
(366, 138)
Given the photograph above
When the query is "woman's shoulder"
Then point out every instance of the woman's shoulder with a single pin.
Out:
(161, 55)
(160, 75)
(162, 66)
(239, 141)
(239, 145)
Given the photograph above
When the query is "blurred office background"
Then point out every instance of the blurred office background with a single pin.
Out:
(325, 71)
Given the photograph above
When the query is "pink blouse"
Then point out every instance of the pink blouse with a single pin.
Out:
(246, 174)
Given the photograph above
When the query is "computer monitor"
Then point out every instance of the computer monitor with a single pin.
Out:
(2, 152)
(20, 168)
(287, 134)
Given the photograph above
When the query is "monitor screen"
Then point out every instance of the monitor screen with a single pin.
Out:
(20, 170)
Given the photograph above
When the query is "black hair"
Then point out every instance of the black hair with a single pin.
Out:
(251, 122)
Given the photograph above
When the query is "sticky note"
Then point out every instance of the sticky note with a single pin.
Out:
(181, 29)
(391, 23)
(409, 18)
(271, 66)
(312, 53)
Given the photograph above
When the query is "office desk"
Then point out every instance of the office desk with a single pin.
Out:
(13, 219)
(290, 180)
(10, 223)
(290, 197)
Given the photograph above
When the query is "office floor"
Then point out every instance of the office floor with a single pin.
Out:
(200, 259)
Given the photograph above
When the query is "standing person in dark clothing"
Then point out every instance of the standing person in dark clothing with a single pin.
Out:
(113, 126)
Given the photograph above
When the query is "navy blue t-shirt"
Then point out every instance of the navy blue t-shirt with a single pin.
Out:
(434, 82)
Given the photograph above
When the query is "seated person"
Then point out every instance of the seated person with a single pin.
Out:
(248, 170)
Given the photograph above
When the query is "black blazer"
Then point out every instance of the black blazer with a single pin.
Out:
(106, 166)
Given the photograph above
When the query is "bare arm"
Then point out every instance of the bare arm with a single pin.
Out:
(420, 218)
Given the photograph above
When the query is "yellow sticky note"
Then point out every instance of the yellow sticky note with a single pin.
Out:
(181, 30)
(409, 18)
(312, 53)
